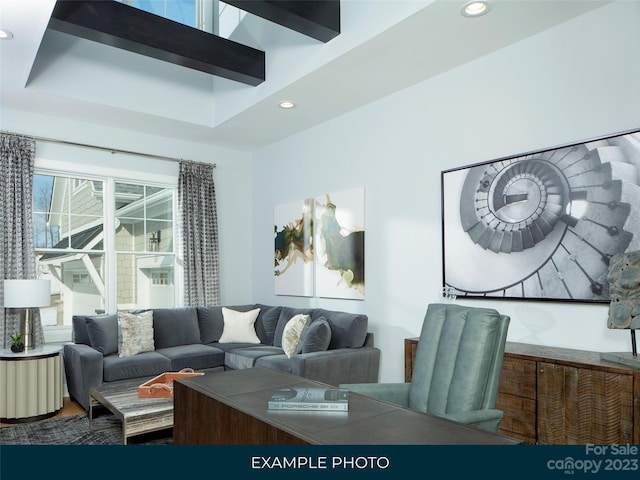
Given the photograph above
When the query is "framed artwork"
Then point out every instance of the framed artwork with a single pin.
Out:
(293, 248)
(542, 225)
(339, 244)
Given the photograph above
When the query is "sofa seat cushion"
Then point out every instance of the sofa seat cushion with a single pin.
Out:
(196, 356)
(145, 364)
(227, 347)
(246, 357)
(276, 362)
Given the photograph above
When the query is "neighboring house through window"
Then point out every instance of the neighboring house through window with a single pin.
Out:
(107, 245)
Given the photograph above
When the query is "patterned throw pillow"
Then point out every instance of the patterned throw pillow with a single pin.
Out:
(239, 326)
(135, 333)
(292, 334)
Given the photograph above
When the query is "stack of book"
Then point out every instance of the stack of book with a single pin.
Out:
(310, 399)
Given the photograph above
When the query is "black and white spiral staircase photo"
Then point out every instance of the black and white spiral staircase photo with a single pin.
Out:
(545, 225)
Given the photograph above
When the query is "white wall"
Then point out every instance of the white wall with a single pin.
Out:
(574, 82)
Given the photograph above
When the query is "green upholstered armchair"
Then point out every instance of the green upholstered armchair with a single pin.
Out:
(457, 367)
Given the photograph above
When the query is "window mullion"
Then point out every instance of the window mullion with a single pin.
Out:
(109, 228)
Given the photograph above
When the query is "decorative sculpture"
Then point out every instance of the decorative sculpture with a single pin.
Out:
(624, 309)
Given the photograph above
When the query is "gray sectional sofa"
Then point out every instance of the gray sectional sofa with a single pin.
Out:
(189, 338)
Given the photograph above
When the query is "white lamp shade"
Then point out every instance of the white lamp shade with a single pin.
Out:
(27, 293)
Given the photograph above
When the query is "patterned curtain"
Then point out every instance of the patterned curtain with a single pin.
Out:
(198, 223)
(17, 259)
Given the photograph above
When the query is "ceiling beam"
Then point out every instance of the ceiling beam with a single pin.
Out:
(128, 28)
(319, 19)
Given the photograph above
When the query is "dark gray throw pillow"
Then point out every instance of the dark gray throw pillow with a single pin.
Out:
(317, 336)
(103, 333)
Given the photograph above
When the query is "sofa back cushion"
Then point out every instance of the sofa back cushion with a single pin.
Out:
(79, 332)
(211, 322)
(103, 333)
(267, 322)
(348, 330)
(175, 326)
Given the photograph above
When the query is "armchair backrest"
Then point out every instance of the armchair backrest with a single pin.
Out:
(458, 359)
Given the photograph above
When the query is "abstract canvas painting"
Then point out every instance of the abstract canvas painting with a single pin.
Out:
(339, 244)
(293, 248)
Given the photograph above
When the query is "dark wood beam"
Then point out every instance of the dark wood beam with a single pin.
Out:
(121, 26)
(319, 19)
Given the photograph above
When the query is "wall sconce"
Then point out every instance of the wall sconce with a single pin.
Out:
(154, 241)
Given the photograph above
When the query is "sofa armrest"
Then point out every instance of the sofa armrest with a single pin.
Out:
(342, 365)
(83, 368)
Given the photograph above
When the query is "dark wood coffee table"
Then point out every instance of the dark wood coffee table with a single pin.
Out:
(138, 415)
(230, 408)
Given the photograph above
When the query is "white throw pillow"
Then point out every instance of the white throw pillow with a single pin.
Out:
(135, 333)
(292, 333)
(239, 326)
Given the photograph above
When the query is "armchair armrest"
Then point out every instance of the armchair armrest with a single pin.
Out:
(83, 370)
(488, 419)
(397, 393)
(342, 365)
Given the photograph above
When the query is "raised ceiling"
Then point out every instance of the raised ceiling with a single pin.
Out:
(122, 26)
(383, 46)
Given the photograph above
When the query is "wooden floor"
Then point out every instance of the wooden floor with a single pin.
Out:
(69, 407)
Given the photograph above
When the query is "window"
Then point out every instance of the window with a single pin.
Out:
(211, 16)
(181, 11)
(160, 278)
(107, 246)
(81, 278)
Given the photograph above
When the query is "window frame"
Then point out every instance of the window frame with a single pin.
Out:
(63, 333)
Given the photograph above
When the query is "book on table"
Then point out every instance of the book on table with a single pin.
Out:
(310, 399)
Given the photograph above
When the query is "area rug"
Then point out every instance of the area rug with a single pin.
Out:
(74, 430)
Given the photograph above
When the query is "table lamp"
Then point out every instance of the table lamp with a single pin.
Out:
(27, 294)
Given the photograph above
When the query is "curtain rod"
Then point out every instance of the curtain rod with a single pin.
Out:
(111, 150)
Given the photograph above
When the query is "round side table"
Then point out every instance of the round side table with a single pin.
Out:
(30, 384)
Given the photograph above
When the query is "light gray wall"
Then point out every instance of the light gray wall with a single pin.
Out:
(574, 82)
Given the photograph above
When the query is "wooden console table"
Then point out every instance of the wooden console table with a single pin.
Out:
(561, 396)
(230, 408)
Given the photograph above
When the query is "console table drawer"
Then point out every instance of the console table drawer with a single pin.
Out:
(518, 377)
(519, 416)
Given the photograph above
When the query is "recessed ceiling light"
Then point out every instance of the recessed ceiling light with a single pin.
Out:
(475, 8)
(5, 34)
(287, 104)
